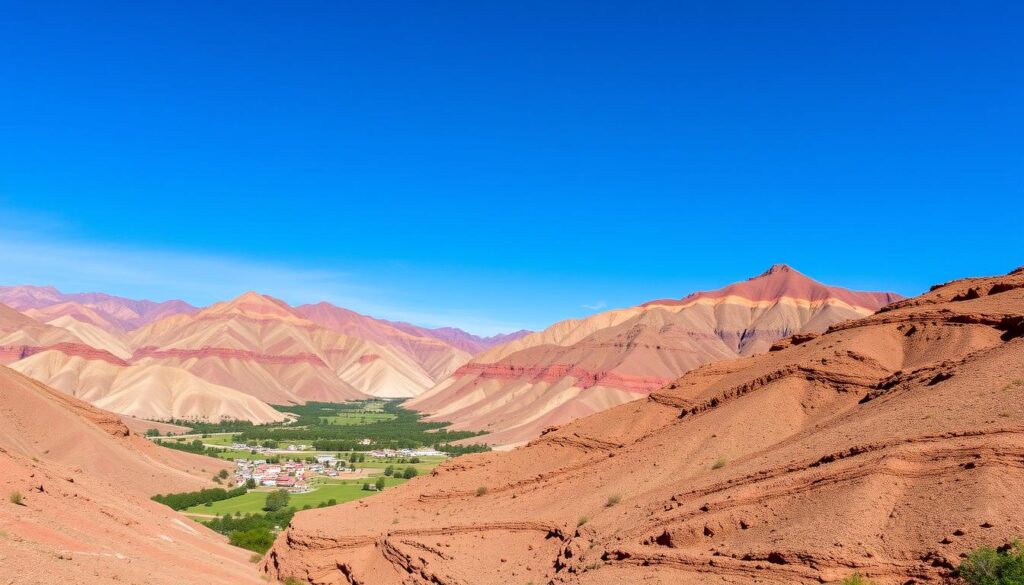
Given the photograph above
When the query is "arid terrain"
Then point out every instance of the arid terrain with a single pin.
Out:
(234, 359)
(888, 445)
(76, 486)
(582, 366)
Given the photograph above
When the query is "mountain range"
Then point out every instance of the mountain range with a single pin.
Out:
(888, 445)
(236, 359)
(581, 366)
(233, 359)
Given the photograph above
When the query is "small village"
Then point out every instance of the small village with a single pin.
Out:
(299, 474)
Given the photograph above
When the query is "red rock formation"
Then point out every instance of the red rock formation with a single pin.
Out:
(889, 446)
(553, 373)
(9, 354)
(782, 281)
(516, 390)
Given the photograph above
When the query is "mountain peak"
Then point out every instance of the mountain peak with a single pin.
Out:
(252, 304)
(782, 280)
(776, 269)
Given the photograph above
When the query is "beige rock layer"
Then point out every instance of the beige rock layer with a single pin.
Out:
(889, 446)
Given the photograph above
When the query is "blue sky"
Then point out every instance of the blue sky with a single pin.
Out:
(508, 165)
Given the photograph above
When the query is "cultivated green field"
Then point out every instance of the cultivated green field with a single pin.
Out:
(225, 439)
(253, 501)
(328, 428)
(426, 463)
(358, 418)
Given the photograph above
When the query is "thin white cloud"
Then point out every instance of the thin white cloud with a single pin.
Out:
(29, 257)
(595, 306)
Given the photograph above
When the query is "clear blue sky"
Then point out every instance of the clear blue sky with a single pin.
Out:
(502, 165)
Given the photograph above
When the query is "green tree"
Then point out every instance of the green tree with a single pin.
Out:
(250, 484)
(223, 474)
(988, 566)
(410, 472)
(389, 470)
(255, 539)
(276, 500)
(380, 483)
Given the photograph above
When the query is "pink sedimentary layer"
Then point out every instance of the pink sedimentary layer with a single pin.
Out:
(226, 353)
(368, 357)
(781, 281)
(13, 353)
(553, 373)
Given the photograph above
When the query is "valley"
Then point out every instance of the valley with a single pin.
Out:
(512, 293)
(700, 479)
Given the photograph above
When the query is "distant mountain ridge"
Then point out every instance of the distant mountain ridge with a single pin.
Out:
(456, 337)
(233, 359)
(100, 309)
(581, 366)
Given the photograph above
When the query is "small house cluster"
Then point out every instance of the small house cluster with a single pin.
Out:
(388, 453)
(294, 476)
(261, 449)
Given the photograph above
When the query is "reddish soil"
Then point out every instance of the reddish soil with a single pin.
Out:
(889, 445)
(75, 485)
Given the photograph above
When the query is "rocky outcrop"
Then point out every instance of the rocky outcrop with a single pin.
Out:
(888, 446)
(10, 354)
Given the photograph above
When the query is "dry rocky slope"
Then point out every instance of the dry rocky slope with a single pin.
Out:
(231, 360)
(84, 513)
(888, 446)
(581, 366)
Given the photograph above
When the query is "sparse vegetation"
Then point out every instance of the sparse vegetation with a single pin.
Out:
(612, 500)
(719, 463)
(16, 498)
(256, 539)
(856, 579)
(989, 566)
(583, 520)
(481, 491)
(253, 532)
(196, 446)
(255, 558)
(183, 500)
